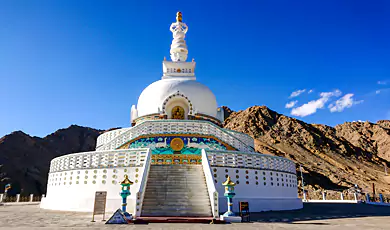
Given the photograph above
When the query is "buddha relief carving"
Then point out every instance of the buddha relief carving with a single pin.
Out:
(178, 113)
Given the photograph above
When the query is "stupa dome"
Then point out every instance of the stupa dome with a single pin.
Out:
(164, 94)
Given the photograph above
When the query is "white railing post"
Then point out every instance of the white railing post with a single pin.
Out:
(323, 195)
(341, 196)
(31, 197)
(139, 198)
(212, 191)
(1, 197)
(17, 197)
(355, 196)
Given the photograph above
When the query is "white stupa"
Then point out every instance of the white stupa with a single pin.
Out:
(176, 153)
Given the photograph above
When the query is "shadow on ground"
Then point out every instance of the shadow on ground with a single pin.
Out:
(321, 211)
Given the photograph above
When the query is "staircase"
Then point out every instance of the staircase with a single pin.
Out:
(176, 190)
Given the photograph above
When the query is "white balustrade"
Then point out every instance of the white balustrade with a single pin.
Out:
(242, 142)
(140, 194)
(108, 136)
(212, 191)
(99, 159)
(248, 140)
(250, 160)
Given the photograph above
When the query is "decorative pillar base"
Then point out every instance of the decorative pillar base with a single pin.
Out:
(231, 219)
(229, 213)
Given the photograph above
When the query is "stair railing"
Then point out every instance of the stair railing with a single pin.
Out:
(213, 194)
(140, 194)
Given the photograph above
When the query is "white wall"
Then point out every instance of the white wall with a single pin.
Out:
(255, 187)
(63, 192)
(260, 197)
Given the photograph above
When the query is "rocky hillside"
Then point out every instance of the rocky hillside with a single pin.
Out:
(332, 158)
(25, 160)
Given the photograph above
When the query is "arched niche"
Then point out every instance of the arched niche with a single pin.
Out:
(177, 100)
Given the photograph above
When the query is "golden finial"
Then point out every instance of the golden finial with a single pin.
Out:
(126, 181)
(179, 17)
(228, 182)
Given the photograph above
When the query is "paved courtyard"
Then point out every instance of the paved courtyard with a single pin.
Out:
(313, 216)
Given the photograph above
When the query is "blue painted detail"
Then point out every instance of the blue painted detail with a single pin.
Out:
(192, 145)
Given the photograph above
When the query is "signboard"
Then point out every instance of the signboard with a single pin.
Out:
(99, 207)
(244, 211)
(118, 218)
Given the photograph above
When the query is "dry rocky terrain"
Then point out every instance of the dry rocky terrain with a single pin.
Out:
(332, 158)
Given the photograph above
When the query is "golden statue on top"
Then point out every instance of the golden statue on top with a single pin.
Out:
(179, 16)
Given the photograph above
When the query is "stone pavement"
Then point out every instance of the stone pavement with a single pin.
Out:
(312, 216)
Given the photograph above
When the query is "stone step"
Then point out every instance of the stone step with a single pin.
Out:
(191, 202)
(171, 191)
(181, 199)
(175, 206)
(180, 182)
(164, 210)
(177, 169)
(195, 170)
(168, 172)
(174, 194)
(156, 191)
(178, 165)
(183, 188)
(175, 209)
(175, 176)
(169, 183)
(174, 190)
(182, 214)
(174, 181)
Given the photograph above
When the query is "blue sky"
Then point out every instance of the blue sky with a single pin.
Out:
(86, 62)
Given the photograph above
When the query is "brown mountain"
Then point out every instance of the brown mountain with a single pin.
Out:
(332, 158)
(25, 160)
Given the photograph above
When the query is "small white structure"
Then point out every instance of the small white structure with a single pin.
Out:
(176, 141)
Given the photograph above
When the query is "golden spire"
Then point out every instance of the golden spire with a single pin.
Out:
(228, 182)
(126, 181)
(179, 17)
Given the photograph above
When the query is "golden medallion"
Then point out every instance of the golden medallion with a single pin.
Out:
(177, 144)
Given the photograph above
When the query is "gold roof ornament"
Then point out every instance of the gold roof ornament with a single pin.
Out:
(126, 181)
(179, 16)
(228, 182)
